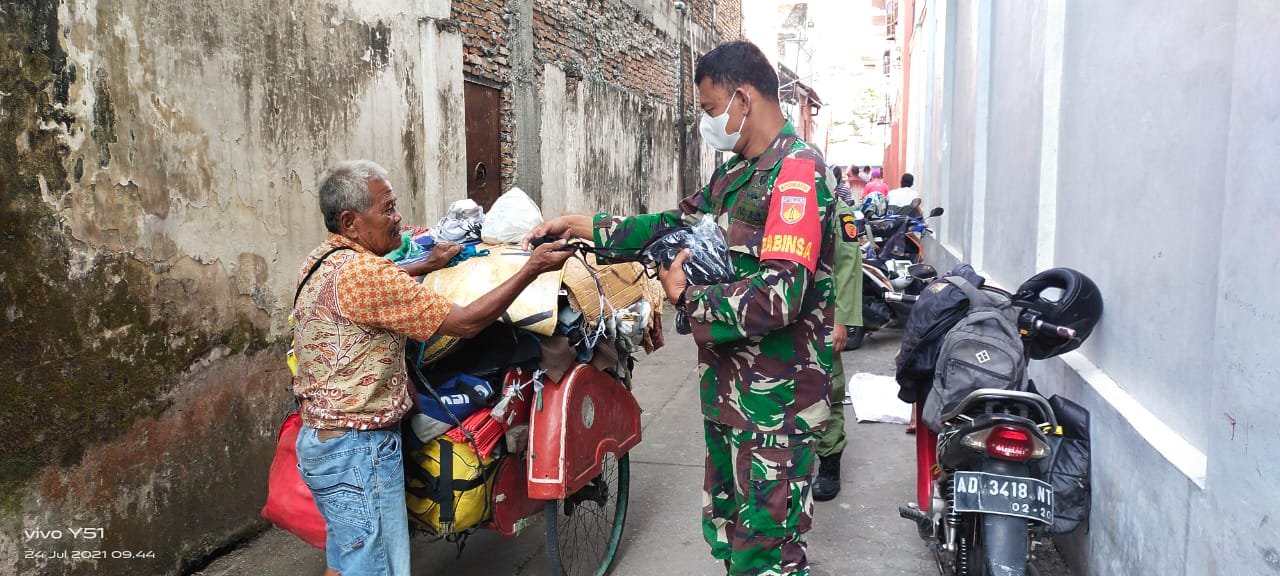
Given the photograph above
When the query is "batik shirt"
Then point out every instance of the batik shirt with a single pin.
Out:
(764, 340)
(350, 324)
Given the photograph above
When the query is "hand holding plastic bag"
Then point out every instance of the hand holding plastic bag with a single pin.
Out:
(708, 261)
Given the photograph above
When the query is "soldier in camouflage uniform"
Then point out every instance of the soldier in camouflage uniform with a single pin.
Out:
(764, 340)
(848, 288)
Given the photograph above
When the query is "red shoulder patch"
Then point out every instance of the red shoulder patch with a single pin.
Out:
(793, 230)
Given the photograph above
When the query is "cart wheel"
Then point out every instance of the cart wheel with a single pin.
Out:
(583, 530)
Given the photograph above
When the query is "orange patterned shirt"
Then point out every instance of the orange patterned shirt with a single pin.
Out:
(350, 325)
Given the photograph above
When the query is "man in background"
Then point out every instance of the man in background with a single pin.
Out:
(848, 287)
(843, 192)
(875, 185)
(900, 197)
(856, 183)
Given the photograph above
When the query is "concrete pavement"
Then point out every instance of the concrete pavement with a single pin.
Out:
(857, 533)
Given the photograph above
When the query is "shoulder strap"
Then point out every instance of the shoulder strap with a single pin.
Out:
(313, 269)
(976, 297)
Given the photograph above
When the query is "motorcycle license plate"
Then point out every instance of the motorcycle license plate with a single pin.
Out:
(1008, 495)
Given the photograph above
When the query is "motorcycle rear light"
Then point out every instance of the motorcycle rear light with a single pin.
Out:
(1010, 443)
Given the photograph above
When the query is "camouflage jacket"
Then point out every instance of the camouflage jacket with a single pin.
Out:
(764, 340)
(848, 266)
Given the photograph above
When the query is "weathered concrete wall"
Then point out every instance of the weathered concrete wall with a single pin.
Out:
(157, 162)
(605, 149)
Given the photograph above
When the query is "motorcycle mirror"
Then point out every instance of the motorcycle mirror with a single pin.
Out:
(935, 212)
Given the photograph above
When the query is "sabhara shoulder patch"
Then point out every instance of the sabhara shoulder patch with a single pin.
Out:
(848, 228)
(793, 230)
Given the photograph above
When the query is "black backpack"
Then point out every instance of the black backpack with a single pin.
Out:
(940, 305)
(982, 350)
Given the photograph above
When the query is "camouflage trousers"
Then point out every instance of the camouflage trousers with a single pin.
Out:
(832, 439)
(757, 501)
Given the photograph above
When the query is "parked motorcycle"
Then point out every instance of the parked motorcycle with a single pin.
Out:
(986, 501)
(892, 262)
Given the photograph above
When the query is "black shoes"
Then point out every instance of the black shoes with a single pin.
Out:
(827, 485)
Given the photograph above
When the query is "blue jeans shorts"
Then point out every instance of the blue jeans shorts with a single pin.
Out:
(358, 483)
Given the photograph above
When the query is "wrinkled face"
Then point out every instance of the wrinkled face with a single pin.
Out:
(378, 228)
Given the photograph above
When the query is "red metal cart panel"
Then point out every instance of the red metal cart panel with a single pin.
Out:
(582, 418)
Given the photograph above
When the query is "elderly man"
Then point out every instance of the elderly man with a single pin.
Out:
(353, 311)
(764, 338)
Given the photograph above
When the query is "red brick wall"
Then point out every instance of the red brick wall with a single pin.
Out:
(601, 40)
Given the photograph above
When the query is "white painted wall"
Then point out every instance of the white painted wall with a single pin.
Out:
(1109, 139)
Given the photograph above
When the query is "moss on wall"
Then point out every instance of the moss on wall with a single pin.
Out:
(87, 349)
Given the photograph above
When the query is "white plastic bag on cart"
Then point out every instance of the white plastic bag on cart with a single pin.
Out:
(875, 399)
(512, 216)
(461, 223)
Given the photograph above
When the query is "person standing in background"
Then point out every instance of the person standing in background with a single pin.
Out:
(875, 185)
(856, 183)
(842, 191)
(848, 287)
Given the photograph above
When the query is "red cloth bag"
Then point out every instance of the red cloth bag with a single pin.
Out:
(289, 501)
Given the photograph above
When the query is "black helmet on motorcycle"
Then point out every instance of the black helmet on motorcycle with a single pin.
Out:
(1064, 297)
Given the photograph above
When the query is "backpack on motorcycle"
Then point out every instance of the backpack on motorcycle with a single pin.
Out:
(983, 350)
(940, 305)
(1067, 468)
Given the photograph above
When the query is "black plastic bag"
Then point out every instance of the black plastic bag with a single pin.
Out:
(708, 261)
(1068, 469)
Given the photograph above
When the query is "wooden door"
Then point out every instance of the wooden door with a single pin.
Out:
(484, 151)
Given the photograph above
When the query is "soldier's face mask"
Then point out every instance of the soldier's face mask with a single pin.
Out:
(715, 130)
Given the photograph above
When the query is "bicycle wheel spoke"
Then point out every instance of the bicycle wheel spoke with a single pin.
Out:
(586, 539)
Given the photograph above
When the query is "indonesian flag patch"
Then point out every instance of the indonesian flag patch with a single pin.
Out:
(793, 230)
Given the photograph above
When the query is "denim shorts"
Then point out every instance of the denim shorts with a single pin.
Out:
(358, 483)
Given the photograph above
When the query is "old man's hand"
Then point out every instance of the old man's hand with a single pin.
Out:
(548, 257)
(441, 254)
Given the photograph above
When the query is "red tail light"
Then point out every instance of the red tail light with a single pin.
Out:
(1009, 443)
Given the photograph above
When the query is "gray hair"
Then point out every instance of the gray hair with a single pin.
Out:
(345, 186)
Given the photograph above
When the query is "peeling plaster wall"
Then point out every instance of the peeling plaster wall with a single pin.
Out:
(157, 163)
(157, 166)
(605, 149)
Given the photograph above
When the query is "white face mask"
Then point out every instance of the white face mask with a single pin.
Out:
(715, 131)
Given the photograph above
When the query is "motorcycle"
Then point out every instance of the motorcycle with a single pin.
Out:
(985, 506)
(892, 262)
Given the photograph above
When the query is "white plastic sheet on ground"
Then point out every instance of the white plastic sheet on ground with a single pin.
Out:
(874, 398)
